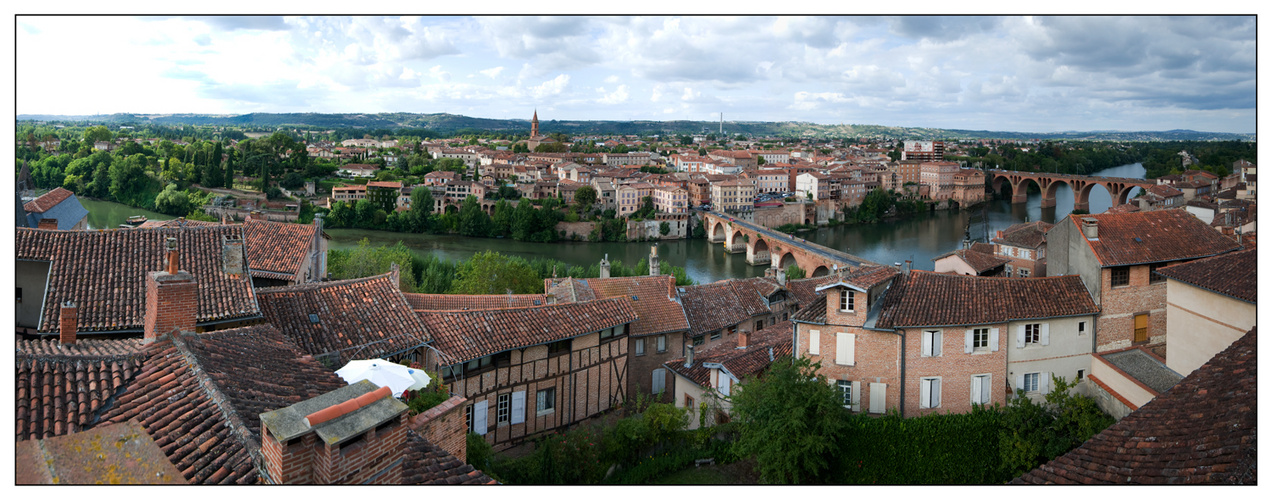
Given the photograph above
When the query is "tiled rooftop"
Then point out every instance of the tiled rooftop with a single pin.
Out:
(449, 302)
(712, 307)
(105, 273)
(928, 299)
(1155, 236)
(122, 454)
(48, 200)
(1025, 235)
(1233, 274)
(360, 318)
(1202, 431)
(776, 340)
(652, 299)
(278, 247)
(426, 463)
(62, 388)
(468, 335)
(978, 261)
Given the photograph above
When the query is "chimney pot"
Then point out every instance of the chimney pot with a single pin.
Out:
(743, 339)
(69, 323)
(172, 255)
(688, 359)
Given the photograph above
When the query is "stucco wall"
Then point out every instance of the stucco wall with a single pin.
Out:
(1119, 382)
(1201, 324)
(954, 264)
(1067, 352)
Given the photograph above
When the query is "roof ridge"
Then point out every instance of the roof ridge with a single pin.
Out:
(322, 284)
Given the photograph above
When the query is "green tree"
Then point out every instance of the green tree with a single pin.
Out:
(795, 273)
(128, 180)
(490, 273)
(172, 201)
(584, 197)
(664, 228)
(96, 134)
(366, 261)
(421, 207)
(790, 422)
(473, 221)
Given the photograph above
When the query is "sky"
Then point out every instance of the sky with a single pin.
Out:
(1001, 73)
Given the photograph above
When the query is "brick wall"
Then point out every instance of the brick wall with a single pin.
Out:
(171, 303)
(445, 426)
(1115, 329)
(376, 458)
(954, 367)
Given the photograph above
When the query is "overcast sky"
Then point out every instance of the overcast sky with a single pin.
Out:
(1016, 73)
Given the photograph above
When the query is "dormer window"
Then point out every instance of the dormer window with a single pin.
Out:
(847, 301)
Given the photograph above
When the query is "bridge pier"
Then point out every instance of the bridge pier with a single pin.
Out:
(1083, 206)
(1048, 202)
(1018, 198)
(761, 258)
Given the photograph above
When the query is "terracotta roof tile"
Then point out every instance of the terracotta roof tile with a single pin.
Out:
(1233, 274)
(359, 318)
(712, 307)
(449, 302)
(278, 247)
(1202, 431)
(468, 335)
(48, 200)
(199, 396)
(105, 273)
(63, 388)
(652, 299)
(1155, 236)
(978, 261)
(929, 299)
(1025, 235)
(426, 463)
(740, 362)
(151, 224)
(804, 290)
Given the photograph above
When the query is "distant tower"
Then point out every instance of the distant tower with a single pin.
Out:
(654, 266)
(604, 267)
(534, 125)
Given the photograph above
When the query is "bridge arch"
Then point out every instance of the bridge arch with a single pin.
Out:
(820, 271)
(787, 260)
(718, 232)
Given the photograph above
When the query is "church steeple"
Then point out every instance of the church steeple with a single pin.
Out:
(534, 124)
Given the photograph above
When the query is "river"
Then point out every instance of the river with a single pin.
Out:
(918, 238)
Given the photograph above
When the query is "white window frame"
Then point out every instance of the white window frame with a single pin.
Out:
(976, 338)
(931, 343)
(1036, 382)
(847, 301)
(845, 393)
(929, 392)
(1022, 273)
(1032, 334)
(503, 415)
(545, 401)
(639, 347)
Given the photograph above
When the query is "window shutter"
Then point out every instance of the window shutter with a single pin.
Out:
(846, 352)
(1019, 337)
(935, 393)
(1043, 383)
(970, 341)
(1019, 382)
(814, 342)
(993, 339)
(856, 395)
(926, 343)
(724, 383)
(480, 411)
(924, 394)
(1045, 333)
(937, 343)
(659, 380)
(976, 390)
(518, 407)
(877, 397)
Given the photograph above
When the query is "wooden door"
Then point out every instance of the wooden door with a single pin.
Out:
(1140, 328)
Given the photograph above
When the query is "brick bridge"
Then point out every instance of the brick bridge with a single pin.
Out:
(761, 245)
(1118, 187)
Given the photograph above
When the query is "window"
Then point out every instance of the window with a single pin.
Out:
(557, 348)
(847, 301)
(1121, 276)
(639, 347)
(1025, 254)
(980, 338)
(689, 403)
(845, 391)
(759, 325)
(980, 389)
(1080, 375)
(1030, 382)
(715, 336)
(1023, 273)
(1152, 276)
(929, 393)
(1081, 328)
(1032, 333)
(661, 343)
(1009, 269)
(606, 333)
(546, 400)
(659, 381)
(931, 343)
(505, 408)
(19, 294)
(699, 340)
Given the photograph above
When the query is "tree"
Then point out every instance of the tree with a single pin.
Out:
(421, 207)
(664, 228)
(795, 273)
(128, 180)
(585, 196)
(490, 273)
(96, 134)
(789, 421)
(172, 201)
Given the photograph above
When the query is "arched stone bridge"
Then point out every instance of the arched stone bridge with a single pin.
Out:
(1118, 187)
(764, 246)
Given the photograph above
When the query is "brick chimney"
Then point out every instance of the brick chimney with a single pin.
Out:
(353, 435)
(69, 322)
(743, 339)
(48, 224)
(172, 298)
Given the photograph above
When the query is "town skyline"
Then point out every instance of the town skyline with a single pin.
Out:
(1001, 73)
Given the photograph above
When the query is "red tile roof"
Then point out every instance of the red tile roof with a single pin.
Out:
(200, 397)
(448, 302)
(1232, 274)
(804, 290)
(652, 299)
(1204, 430)
(62, 388)
(980, 262)
(468, 335)
(150, 224)
(278, 247)
(48, 200)
(427, 463)
(1025, 235)
(712, 307)
(776, 340)
(121, 454)
(105, 273)
(929, 299)
(359, 319)
(1155, 236)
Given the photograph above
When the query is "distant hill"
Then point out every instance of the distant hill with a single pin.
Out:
(444, 123)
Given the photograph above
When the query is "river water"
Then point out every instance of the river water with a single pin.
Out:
(918, 238)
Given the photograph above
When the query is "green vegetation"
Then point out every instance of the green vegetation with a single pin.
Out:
(792, 228)
(795, 273)
(880, 204)
(1086, 157)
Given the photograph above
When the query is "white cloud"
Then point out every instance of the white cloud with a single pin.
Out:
(616, 97)
(492, 72)
(438, 73)
(551, 87)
